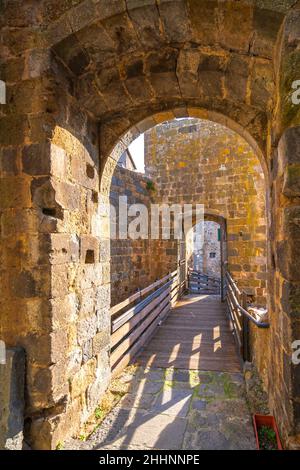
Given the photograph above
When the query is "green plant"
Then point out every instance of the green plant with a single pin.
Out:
(59, 445)
(150, 185)
(82, 437)
(267, 438)
(98, 413)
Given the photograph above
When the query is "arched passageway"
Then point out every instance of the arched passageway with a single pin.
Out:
(188, 162)
(83, 81)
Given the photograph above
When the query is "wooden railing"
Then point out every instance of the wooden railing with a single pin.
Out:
(200, 283)
(134, 320)
(240, 315)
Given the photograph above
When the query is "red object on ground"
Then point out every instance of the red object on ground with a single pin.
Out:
(269, 421)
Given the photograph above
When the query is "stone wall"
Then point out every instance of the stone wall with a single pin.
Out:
(12, 398)
(55, 277)
(131, 260)
(137, 263)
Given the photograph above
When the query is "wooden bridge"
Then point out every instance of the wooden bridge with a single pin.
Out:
(167, 324)
(195, 335)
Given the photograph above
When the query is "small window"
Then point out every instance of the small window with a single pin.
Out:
(219, 234)
(212, 255)
(90, 171)
(90, 256)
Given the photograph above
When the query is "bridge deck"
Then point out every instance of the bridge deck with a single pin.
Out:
(195, 335)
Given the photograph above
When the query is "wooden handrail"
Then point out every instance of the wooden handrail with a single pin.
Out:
(139, 294)
(242, 310)
(192, 272)
(137, 308)
(240, 317)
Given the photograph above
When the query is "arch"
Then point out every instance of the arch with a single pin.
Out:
(110, 154)
(211, 215)
(126, 68)
(73, 20)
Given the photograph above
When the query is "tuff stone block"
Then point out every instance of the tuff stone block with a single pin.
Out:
(86, 329)
(83, 378)
(174, 16)
(236, 78)
(146, 22)
(291, 299)
(230, 36)
(291, 182)
(96, 389)
(101, 341)
(9, 161)
(203, 17)
(289, 148)
(287, 255)
(67, 195)
(266, 25)
(64, 248)
(15, 193)
(262, 86)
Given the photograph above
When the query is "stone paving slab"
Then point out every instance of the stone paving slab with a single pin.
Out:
(173, 402)
(176, 409)
(152, 430)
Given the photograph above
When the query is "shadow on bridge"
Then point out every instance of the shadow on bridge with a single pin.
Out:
(196, 335)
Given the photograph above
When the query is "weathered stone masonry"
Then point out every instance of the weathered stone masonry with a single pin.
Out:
(83, 80)
(135, 264)
(131, 260)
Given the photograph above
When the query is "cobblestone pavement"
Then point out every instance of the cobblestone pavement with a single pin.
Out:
(176, 409)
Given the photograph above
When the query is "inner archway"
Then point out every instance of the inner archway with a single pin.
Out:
(207, 258)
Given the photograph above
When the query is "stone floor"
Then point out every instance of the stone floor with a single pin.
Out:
(176, 409)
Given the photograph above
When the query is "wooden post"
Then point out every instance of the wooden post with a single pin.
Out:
(222, 265)
(246, 346)
(223, 281)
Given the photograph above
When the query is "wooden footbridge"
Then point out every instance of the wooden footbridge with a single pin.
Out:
(181, 322)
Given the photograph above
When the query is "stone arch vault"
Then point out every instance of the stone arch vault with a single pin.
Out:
(81, 79)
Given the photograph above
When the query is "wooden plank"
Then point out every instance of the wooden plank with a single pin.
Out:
(191, 363)
(136, 333)
(137, 346)
(194, 338)
(134, 321)
(126, 316)
(139, 294)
